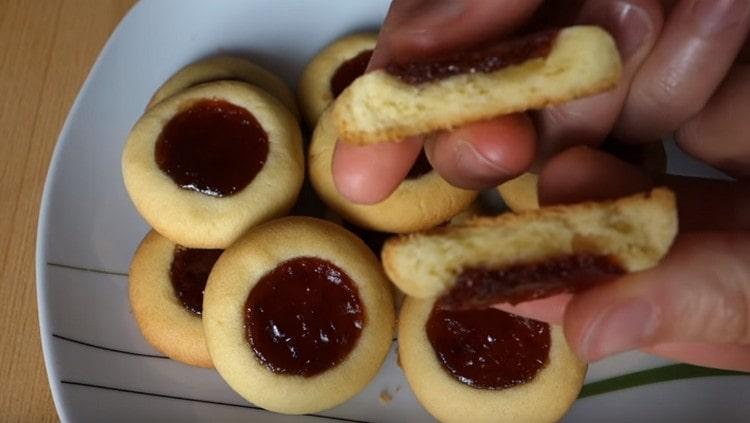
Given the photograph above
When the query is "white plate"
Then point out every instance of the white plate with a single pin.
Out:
(100, 368)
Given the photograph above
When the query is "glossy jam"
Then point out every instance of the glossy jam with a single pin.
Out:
(485, 60)
(480, 287)
(420, 167)
(303, 317)
(212, 147)
(488, 348)
(189, 273)
(348, 71)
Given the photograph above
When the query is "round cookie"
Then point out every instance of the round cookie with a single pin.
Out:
(332, 70)
(544, 398)
(259, 315)
(418, 203)
(169, 319)
(521, 193)
(206, 164)
(221, 68)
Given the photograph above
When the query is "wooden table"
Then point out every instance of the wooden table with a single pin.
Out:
(46, 50)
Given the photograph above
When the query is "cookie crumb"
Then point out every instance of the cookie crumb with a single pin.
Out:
(385, 397)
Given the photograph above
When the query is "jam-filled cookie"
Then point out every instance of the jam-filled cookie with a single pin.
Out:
(206, 164)
(486, 365)
(166, 296)
(519, 257)
(422, 201)
(531, 72)
(331, 71)
(221, 68)
(298, 315)
(521, 193)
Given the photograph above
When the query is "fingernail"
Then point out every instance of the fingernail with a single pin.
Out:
(476, 165)
(629, 24)
(434, 17)
(714, 16)
(620, 328)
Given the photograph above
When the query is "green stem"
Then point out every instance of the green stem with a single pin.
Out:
(656, 375)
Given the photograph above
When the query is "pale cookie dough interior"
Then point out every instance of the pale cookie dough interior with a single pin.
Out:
(416, 204)
(198, 220)
(163, 320)
(225, 68)
(545, 398)
(315, 93)
(637, 231)
(237, 273)
(379, 107)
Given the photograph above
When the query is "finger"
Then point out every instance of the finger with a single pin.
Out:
(635, 25)
(698, 45)
(733, 357)
(718, 134)
(484, 154)
(710, 205)
(700, 293)
(421, 28)
(369, 174)
(583, 174)
(550, 309)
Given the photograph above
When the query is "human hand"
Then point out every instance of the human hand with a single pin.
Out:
(683, 72)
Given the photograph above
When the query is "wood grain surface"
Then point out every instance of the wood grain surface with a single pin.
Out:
(46, 50)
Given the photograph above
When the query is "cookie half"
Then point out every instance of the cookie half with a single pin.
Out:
(166, 296)
(486, 365)
(298, 315)
(519, 257)
(531, 72)
(206, 164)
(222, 68)
(331, 71)
(422, 201)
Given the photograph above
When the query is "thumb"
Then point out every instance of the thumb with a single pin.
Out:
(698, 295)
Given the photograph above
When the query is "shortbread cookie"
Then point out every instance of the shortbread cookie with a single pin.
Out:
(486, 365)
(331, 71)
(206, 164)
(298, 315)
(521, 193)
(166, 295)
(222, 68)
(519, 257)
(531, 72)
(422, 201)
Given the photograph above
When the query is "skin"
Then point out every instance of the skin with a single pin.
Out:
(685, 73)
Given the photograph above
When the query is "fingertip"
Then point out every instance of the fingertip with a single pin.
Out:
(484, 154)
(550, 310)
(369, 174)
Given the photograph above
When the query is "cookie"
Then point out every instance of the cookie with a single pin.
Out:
(521, 193)
(298, 315)
(206, 164)
(166, 296)
(404, 100)
(516, 257)
(457, 364)
(422, 201)
(331, 71)
(221, 68)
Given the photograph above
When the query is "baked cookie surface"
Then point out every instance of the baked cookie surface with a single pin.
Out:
(258, 315)
(520, 392)
(534, 71)
(206, 164)
(166, 296)
(332, 70)
(220, 68)
(421, 202)
(491, 260)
